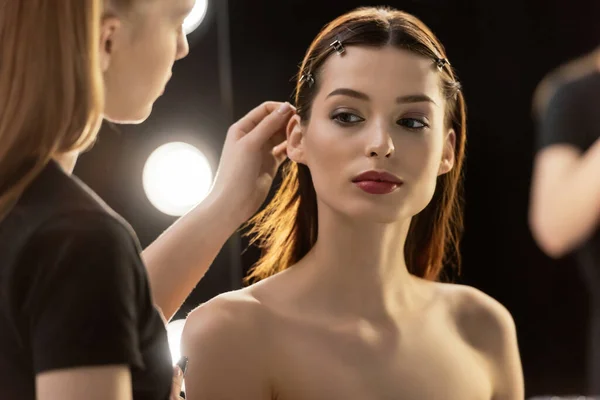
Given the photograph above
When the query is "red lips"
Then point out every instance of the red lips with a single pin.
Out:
(377, 182)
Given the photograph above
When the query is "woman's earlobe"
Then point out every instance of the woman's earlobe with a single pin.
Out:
(448, 154)
(445, 166)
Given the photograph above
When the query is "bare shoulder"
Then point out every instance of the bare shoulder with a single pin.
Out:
(226, 316)
(483, 321)
(226, 341)
(488, 327)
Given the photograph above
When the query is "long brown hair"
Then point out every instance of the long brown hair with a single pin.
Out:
(286, 229)
(51, 89)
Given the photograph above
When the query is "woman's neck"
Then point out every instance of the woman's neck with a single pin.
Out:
(67, 161)
(359, 267)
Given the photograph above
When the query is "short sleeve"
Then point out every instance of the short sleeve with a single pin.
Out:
(572, 115)
(82, 306)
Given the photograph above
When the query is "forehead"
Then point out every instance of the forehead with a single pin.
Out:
(381, 71)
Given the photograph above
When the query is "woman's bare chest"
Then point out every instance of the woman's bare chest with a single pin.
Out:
(429, 362)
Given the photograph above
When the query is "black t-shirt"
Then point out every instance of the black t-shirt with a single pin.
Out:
(74, 292)
(573, 118)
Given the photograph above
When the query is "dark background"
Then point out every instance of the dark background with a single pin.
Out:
(246, 52)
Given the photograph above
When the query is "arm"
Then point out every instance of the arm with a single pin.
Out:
(227, 357)
(90, 383)
(252, 153)
(565, 198)
(180, 257)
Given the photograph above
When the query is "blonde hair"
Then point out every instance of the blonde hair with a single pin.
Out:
(51, 88)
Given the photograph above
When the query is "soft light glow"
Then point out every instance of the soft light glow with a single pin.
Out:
(196, 16)
(174, 332)
(176, 177)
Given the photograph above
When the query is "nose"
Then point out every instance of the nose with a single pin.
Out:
(183, 47)
(379, 144)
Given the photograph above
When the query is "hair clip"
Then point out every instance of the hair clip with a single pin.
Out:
(338, 46)
(441, 63)
(308, 78)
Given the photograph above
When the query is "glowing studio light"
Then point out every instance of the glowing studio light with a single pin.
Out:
(176, 177)
(174, 332)
(196, 16)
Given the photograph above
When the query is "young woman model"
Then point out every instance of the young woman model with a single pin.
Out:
(349, 305)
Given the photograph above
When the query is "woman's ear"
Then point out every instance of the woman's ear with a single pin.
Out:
(295, 140)
(447, 162)
(109, 34)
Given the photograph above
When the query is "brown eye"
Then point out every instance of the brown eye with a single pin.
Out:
(412, 123)
(346, 118)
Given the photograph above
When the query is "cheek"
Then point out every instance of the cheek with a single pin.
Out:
(321, 157)
(156, 51)
(326, 157)
(152, 63)
(420, 162)
(419, 157)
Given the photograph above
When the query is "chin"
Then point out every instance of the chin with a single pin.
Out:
(129, 118)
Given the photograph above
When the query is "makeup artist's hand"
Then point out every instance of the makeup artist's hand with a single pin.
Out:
(254, 149)
(178, 374)
(563, 75)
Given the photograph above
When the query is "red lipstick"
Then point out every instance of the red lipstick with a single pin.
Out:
(377, 182)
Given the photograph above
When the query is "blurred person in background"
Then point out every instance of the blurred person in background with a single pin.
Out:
(564, 213)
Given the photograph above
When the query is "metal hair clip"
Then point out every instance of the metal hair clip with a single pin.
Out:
(308, 78)
(441, 63)
(338, 46)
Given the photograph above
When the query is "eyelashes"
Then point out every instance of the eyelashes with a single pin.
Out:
(413, 123)
(347, 119)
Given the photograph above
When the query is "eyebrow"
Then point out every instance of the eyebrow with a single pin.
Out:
(411, 98)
